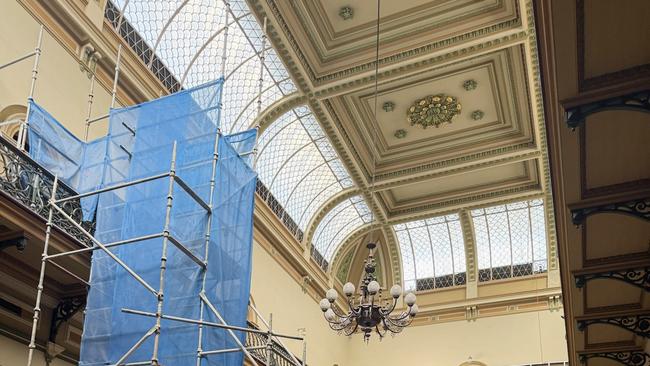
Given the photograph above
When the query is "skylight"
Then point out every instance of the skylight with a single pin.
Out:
(510, 240)
(433, 253)
(188, 37)
(298, 165)
(336, 226)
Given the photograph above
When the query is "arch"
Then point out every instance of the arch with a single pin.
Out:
(15, 112)
(393, 258)
(297, 163)
(324, 209)
(277, 109)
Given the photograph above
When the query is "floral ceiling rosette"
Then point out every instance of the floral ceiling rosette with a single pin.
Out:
(433, 110)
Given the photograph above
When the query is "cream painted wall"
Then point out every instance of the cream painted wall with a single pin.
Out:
(274, 291)
(496, 341)
(62, 88)
(514, 339)
(13, 353)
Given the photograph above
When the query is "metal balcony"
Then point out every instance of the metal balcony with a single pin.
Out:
(28, 184)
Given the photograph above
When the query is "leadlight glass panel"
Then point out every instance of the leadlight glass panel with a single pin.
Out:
(510, 240)
(342, 220)
(187, 39)
(433, 253)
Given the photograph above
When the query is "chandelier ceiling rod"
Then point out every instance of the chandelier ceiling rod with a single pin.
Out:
(368, 312)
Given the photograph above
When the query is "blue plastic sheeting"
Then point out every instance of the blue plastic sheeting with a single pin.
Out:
(189, 118)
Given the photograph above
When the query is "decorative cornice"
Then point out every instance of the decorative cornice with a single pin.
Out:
(392, 59)
(277, 109)
(341, 142)
(523, 192)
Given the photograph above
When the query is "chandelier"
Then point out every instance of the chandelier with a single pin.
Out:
(368, 312)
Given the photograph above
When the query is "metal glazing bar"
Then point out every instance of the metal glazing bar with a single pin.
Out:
(186, 251)
(114, 187)
(103, 247)
(206, 323)
(163, 30)
(205, 44)
(109, 245)
(191, 192)
(41, 277)
(21, 58)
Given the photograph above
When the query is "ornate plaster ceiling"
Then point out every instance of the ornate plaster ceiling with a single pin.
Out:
(426, 48)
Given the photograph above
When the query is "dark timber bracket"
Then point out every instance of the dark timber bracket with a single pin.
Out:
(639, 101)
(639, 277)
(637, 324)
(629, 358)
(639, 208)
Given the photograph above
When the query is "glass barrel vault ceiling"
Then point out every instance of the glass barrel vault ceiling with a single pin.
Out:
(296, 161)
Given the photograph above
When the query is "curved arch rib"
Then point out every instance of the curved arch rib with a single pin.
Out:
(326, 207)
(163, 30)
(204, 46)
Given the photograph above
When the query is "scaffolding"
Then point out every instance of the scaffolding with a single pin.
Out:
(167, 238)
(209, 317)
(36, 53)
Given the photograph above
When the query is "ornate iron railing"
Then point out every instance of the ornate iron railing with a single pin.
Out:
(141, 48)
(279, 211)
(26, 182)
(280, 355)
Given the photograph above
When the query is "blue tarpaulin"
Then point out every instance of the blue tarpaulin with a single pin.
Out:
(139, 144)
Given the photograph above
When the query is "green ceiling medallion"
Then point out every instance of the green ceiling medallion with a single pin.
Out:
(400, 134)
(346, 13)
(470, 84)
(433, 110)
(478, 114)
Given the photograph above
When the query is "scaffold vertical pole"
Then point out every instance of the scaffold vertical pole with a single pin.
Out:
(260, 88)
(22, 132)
(269, 342)
(215, 157)
(116, 76)
(163, 256)
(41, 278)
(91, 96)
(304, 353)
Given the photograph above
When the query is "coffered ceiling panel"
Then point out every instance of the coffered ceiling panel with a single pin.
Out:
(333, 40)
(454, 186)
(493, 113)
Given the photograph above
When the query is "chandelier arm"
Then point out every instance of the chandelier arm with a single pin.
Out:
(402, 316)
(381, 335)
(354, 329)
(340, 315)
(387, 311)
